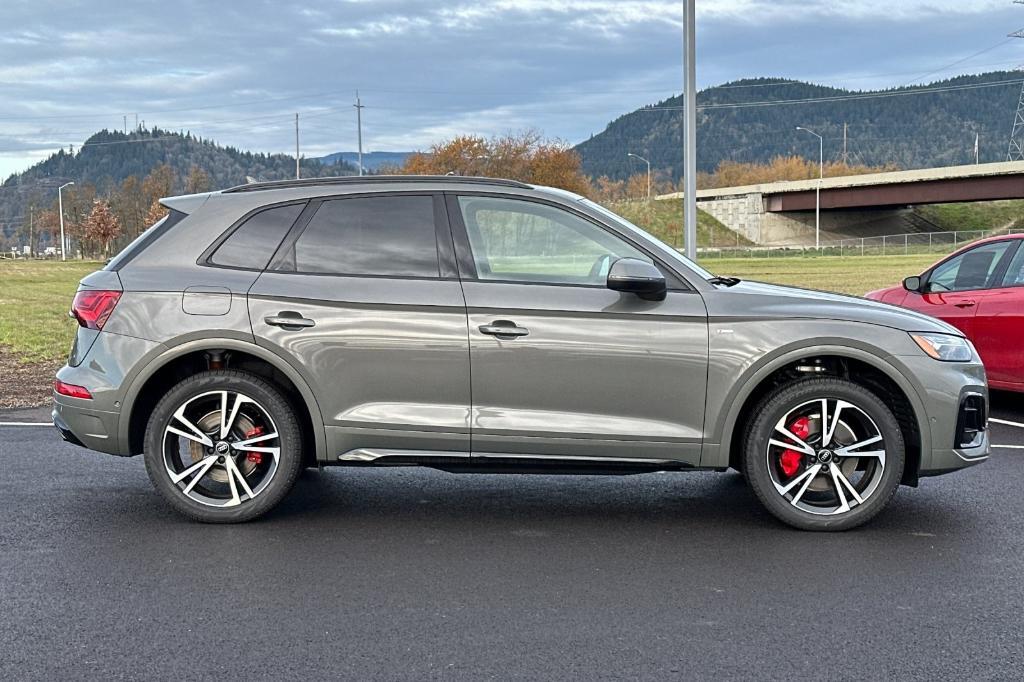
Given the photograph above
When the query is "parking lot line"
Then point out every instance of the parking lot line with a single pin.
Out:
(1006, 422)
(26, 423)
(1010, 447)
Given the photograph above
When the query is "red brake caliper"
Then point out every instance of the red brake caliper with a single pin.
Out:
(257, 457)
(790, 460)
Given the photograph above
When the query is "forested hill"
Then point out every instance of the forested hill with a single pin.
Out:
(107, 158)
(754, 120)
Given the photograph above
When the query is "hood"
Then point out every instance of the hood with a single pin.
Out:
(760, 300)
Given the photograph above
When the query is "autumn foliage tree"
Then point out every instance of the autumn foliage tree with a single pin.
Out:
(101, 226)
(526, 157)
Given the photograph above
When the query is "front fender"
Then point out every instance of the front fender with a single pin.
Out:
(734, 376)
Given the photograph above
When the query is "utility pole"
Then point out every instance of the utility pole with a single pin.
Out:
(60, 209)
(297, 173)
(846, 153)
(31, 215)
(817, 193)
(690, 128)
(126, 124)
(359, 129)
(977, 155)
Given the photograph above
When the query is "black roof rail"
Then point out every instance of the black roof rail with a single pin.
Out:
(373, 180)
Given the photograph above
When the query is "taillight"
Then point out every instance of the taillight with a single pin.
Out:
(92, 307)
(71, 390)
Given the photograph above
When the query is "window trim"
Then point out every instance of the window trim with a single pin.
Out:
(467, 264)
(997, 275)
(442, 233)
(205, 259)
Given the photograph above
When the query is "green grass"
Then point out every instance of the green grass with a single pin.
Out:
(982, 215)
(850, 275)
(35, 297)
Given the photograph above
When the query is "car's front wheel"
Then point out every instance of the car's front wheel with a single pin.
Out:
(824, 454)
(223, 447)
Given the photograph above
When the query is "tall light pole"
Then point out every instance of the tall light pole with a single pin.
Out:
(297, 172)
(690, 127)
(817, 193)
(635, 156)
(359, 128)
(60, 209)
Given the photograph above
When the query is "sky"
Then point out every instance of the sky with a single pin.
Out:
(237, 72)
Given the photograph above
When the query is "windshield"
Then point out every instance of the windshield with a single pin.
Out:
(666, 250)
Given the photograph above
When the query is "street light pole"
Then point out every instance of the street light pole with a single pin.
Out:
(817, 192)
(648, 170)
(60, 209)
(690, 128)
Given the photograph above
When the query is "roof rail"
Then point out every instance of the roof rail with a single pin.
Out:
(373, 180)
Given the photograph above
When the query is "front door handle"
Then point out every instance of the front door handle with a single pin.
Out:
(503, 329)
(965, 304)
(289, 320)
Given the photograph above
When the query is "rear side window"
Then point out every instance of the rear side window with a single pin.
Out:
(1015, 273)
(390, 236)
(253, 242)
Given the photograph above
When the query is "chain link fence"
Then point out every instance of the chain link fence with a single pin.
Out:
(884, 245)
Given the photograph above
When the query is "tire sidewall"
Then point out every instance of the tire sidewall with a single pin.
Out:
(775, 406)
(289, 464)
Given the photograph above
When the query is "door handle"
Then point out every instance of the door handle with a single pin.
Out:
(289, 320)
(503, 329)
(965, 304)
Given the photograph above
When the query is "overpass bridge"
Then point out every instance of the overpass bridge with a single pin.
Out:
(780, 213)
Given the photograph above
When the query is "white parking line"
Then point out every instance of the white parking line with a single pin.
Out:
(26, 423)
(1006, 422)
(1010, 447)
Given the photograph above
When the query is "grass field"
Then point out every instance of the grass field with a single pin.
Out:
(35, 296)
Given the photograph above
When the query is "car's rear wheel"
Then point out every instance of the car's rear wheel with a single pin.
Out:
(223, 447)
(824, 454)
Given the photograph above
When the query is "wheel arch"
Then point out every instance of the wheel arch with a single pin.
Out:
(166, 366)
(881, 375)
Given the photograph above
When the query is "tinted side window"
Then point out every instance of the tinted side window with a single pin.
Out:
(970, 270)
(253, 243)
(385, 236)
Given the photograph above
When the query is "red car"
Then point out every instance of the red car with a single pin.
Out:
(980, 290)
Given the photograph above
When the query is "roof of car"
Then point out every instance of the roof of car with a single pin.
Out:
(373, 180)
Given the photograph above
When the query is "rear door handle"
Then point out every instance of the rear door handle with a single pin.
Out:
(503, 329)
(289, 320)
(965, 304)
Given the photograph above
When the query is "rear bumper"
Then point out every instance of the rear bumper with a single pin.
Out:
(90, 428)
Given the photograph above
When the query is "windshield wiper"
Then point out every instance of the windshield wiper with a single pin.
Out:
(725, 281)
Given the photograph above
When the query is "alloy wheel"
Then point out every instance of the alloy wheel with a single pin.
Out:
(221, 448)
(826, 456)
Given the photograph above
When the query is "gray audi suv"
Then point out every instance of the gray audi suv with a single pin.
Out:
(479, 325)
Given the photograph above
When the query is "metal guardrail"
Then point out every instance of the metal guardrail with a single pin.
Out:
(883, 245)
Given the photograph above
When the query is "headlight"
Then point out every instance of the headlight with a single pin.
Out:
(945, 347)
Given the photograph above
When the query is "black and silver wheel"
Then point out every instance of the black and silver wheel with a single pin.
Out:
(223, 446)
(824, 454)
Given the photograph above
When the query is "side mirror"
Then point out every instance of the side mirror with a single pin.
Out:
(634, 276)
(913, 284)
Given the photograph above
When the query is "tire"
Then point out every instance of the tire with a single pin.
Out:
(803, 489)
(241, 480)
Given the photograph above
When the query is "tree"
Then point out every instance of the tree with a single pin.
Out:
(198, 181)
(525, 156)
(101, 226)
(155, 213)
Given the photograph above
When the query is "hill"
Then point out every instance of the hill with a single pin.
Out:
(372, 161)
(754, 120)
(107, 158)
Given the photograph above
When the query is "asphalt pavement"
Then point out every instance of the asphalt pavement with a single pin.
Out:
(416, 574)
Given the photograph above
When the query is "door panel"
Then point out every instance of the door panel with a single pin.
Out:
(599, 374)
(387, 358)
(999, 326)
(955, 307)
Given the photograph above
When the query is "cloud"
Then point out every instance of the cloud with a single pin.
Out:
(238, 71)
